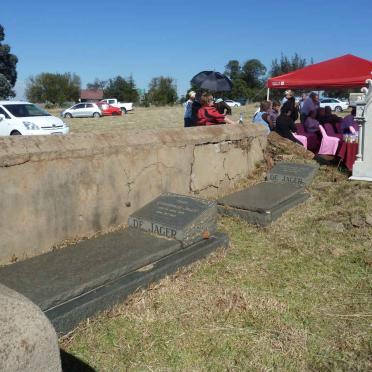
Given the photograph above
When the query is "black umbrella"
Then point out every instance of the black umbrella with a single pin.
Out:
(213, 81)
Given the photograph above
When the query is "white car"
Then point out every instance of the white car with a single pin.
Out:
(25, 118)
(232, 103)
(335, 104)
(82, 110)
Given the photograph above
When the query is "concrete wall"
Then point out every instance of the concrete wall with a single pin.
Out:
(56, 189)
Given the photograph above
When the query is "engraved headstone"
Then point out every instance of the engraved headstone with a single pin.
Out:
(184, 218)
(263, 203)
(294, 173)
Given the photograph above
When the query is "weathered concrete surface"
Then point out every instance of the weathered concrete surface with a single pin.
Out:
(28, 341)
(55, 189)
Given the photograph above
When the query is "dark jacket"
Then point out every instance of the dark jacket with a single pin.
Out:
(290, 104)
(222, 106)
(285, 126)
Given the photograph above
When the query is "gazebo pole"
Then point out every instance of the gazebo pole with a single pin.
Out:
(268, 94)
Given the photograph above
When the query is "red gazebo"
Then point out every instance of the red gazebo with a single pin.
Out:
(342, 72)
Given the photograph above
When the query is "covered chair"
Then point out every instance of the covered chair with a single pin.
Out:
(311, 138)
(329, 144)
(338, 127)
(331, 131)
(301, 138)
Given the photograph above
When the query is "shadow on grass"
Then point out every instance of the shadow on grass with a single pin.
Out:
(72, 364)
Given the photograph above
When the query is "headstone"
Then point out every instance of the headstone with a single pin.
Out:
(184, 218)
(298, 174)
(362, 168)
(263, 203)
(28, 341)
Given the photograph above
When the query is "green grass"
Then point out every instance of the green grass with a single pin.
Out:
(294, 296)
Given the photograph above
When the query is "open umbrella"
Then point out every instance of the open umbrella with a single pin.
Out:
(213, 81)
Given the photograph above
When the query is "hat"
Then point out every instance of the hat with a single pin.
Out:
(218, 100)
(192, 94)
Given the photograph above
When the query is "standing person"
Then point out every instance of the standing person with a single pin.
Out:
(285, 125)
(290, 104)
(302, 100)
(262, 116)
(188, 109)
(274, 113)
(222, 107)
(311, 103)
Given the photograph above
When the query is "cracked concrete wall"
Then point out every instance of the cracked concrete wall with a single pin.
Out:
(61, 189)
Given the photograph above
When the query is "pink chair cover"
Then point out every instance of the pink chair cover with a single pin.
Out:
(331, 131)
(301, 138)
(329, 144)
(352, 130)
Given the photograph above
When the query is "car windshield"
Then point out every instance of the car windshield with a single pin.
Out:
(25, 110)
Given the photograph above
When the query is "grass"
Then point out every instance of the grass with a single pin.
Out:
(294, 296)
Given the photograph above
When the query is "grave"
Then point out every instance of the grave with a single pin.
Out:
(75, 282)
(298, 174)
(184, 218)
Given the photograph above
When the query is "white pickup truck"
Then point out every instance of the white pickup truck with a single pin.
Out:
(125, 107)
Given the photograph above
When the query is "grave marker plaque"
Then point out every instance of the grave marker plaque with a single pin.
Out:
(294, 173)
(184, 218)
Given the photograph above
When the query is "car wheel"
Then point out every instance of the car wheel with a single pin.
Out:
(124, 110)
(96, 115)
(15, 133)
(338, 108)
(68, 115)
(236, 105)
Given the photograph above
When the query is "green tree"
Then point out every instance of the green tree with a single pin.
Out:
(122, 89)
(162, 91)
(8, 71)
(97, 84)
(233, 69)
(54, 88)
(285, 65)
(253, 72)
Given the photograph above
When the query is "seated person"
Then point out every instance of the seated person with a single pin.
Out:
(329, 117)
(208, 114)
(274, 112)
(285, 125)
(262, 116)
(320, 115)
(222, 107)
(311, 124)
(349, 121)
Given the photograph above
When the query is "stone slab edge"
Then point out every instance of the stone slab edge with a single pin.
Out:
(66, 316)
(263, 219)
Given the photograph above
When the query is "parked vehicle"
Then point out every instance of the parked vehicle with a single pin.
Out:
(82, 110)
(124, 107)
(25, 118)
(335, 104)
(232, 103)
(109, 110)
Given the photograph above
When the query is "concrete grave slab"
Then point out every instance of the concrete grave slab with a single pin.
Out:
(179, 217)
(298, 174)
(263, 203)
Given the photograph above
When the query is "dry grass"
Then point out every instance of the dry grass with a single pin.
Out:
(294, 296)
(142, 118)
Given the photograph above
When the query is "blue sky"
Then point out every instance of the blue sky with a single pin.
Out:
(178, 39)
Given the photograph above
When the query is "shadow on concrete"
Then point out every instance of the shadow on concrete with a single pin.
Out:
(70, 363)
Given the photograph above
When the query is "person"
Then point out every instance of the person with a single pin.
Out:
(285, 125)
(349, 121)
(274, 112)
(290, 104)
(188, 109)
(320, 115)
(195, 107)
(208, 114)
(262, 116)
(311, 103)
(302, 100)
(329, 117)
(222, 107)
(311, 124)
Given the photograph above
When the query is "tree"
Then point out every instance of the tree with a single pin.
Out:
(286, 65)
(54, 88)
(97, 84)
(121, 89)
(8, 72)
(253, 72)
(233, 69)
(162, 91)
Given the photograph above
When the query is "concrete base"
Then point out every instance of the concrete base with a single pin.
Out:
(74, 283)
(355, 178)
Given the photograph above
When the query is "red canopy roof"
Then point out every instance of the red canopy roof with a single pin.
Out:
(345, 71)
